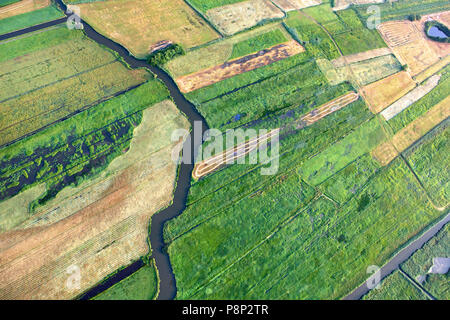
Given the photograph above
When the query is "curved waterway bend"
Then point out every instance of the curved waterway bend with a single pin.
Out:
(167, 285)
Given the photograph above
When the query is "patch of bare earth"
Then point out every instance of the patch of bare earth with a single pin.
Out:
(388, 151)
(358, 57)
(410, 44)
(23, 6)
(98, 226)
(386, 91)
(411, 97)
(234, 67)
(239, 16)
(329, 108)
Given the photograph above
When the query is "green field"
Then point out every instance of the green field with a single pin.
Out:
(75, 149)
(205, 5)
(402, 9)
(348, 181)
(395, 287)
(315, 40)
(257, 43)
(141, 285)
(421, 261)
(350, 34)
(327, 163)
(225, 49)
(291, 256)
(303, 84)
(30, 19)
(429, 159)
(60, 73)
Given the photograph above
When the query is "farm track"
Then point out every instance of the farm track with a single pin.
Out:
(167, 285)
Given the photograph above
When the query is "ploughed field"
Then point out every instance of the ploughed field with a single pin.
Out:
(86, 159)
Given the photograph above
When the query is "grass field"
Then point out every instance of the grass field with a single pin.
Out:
(349, 32)
(141, 285)
(415, 130)
(53, 80)
(421, 261)
(429, 159)
(226, 49)
(363, 72)
(316, 41)
(402, 9)
(29, 19)
(395, 287)
(327, 163)
(15, 8)
(289, 259)
(140, 24)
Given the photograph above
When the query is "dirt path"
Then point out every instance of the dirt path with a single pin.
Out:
(229, 156)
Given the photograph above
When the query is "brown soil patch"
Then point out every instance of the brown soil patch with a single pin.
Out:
(207, 166)
(234, 67)
(329, 107)
(383, 93)
(23, 6)
(98, 226)
(239, 16)
(357, 57)
(403, 139)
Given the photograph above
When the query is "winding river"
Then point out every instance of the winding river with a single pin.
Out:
(167, 284)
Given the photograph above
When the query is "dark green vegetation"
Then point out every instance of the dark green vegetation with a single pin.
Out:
(29, 19)
(421, 261)
(249, 96)
(257, 43)
(257, 244)
(442, 28)
(77, 148)
(205, 5)
(420, 107)
(429, 158)
(162, 56)
(349, 32)
(7, 2)
(314, 38)
(325, 164)
(141, 285)
(396, 287)
(402, 9)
